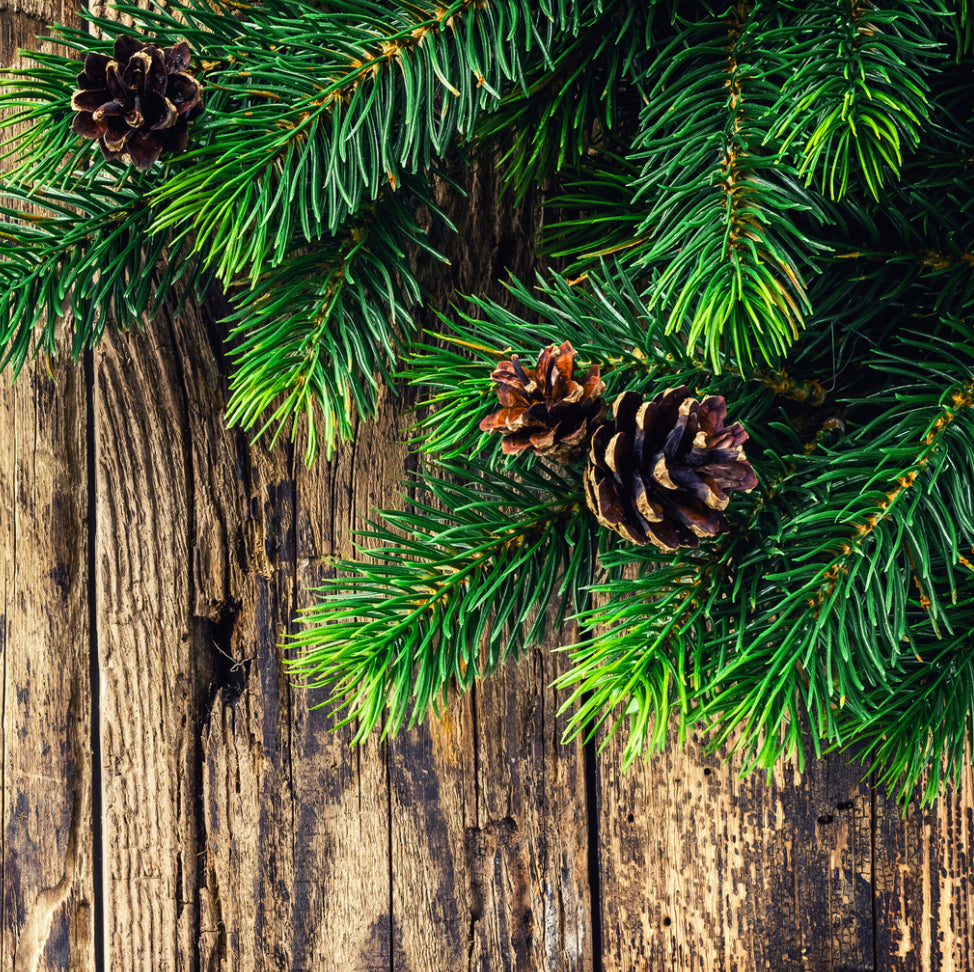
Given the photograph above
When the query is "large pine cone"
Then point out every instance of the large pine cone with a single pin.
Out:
(660, 471)
(546, 408)
(138, 103)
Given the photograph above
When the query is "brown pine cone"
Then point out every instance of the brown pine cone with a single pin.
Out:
(660, 471)
(138, 103)
(546, 408)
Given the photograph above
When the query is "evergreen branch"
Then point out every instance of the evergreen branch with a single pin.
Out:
(640, 664)
(461, 591)
(811, 612)
(722, 220)
(370, 95)
(598, 216)
(318, 331)
(89, 254)
(854, 96)
(567, 107)
(37, 102)
(916, 730)
(964, 27)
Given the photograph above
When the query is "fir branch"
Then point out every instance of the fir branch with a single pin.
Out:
(722, 221)
(598, 218)
(370, 95)
(459, 585)
(813, 610)
(36, 102)
(570, 106)
(318, 331)
(639, 667)
(916, 730)
(88, 253)
(854, 96)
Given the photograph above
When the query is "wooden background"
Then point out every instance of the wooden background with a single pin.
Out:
(169, 801)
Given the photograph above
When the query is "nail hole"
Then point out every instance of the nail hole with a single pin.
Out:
(667, 922)
(707, 771)
(630, 817)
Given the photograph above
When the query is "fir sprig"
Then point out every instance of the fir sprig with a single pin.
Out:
(459, 584)
(88, 253)
(855, 96)
(369, 94)
(319, 333)
(721, 224)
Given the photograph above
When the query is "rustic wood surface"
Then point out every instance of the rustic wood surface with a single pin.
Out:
(170, 802)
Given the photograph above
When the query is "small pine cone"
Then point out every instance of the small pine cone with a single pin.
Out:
(660, 471)
(137, 104)
(546, 408)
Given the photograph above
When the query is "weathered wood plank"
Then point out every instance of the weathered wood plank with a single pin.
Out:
(924, 883)
(489, 823)
(214, 554)
(243, 562)
(46, 891)
(46, 867)
(432, 773)
(342, 884)
(530, 852)
(702, 870)
(151, 704)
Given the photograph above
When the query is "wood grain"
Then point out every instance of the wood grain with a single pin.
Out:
(46, 892)
(703, 870)
(923, 884)
(46, 869)
(342, 883)
(529, 850)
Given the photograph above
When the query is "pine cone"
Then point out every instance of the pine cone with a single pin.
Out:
(546, 408)
(660, 471)
(138, 103)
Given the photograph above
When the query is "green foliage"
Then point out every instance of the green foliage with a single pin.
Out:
(721, 223)
(855, 96)
(316, 118)
(459, 584)
(88, 254)
(764, 201)
(318, 331)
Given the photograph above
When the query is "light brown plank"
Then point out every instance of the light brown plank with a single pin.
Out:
(196, 538)
(150, 702)
(530, 845)
(46, 891)
(46, 868)
(433, 796)
(702, 870)
(242, 540)
(489, 825)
